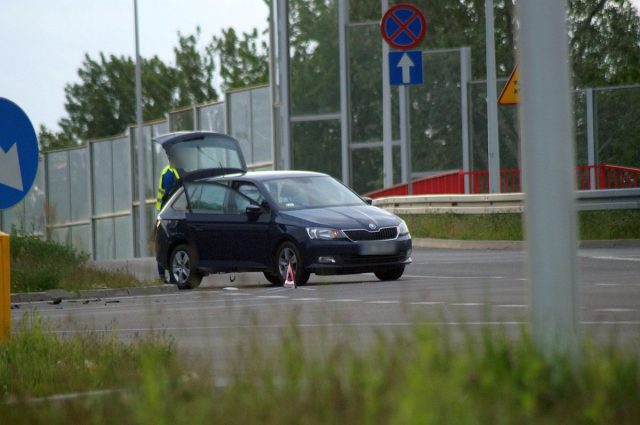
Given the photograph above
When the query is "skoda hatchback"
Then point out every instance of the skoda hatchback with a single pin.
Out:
(223, 219)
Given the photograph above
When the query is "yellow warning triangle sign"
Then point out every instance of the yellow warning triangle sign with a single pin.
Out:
(511, 92)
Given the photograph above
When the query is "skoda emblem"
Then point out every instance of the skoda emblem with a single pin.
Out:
(372, 226)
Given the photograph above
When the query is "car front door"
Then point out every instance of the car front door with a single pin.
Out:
(251, 244)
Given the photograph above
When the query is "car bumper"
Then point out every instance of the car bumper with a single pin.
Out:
(347, 257)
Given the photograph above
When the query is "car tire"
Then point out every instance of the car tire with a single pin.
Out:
(289, 253)
(182, 270)
(273, 278)
(393, 273)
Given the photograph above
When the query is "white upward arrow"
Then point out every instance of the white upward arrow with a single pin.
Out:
(10, 174)
(406, 64)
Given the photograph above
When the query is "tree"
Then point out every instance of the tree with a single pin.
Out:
(102, 103)
(194, 71)
(243, 61)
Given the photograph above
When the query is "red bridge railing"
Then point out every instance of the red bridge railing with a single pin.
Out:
(604, 176)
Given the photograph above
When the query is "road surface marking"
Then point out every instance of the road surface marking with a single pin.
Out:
(465, 304)
(345, 300)
(615, 258)
(614, 310)
(511, 306)
(384, 302)
(426, 303)
(306, 299)
(272, 296)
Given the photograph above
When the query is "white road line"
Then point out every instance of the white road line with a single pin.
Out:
(465, 304)
(452, 277)
(384, 302)
(615, 258)
(306, 299)
(272, 296)
(511, 306)
(608, 284)
(615, 310)
(345, 300)
(426, 303)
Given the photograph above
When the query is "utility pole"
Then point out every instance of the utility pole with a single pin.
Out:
(142, 224)
(493, 146)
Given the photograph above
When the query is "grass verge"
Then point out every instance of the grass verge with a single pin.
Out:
(593, 225)
(40, 265)
(420, 377)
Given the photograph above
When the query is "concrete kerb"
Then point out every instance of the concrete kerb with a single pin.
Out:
(504, 245)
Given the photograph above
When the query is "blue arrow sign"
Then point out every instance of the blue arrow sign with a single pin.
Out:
(18, 154)
(405, 67)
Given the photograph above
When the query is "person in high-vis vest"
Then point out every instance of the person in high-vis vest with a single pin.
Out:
(169, 177)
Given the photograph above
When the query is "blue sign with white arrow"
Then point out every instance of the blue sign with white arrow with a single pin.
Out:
(18, 154)
(405, 67)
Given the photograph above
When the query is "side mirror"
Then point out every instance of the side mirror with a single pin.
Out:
(253, 209)
(368, 200)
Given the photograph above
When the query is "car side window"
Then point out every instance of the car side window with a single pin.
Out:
(250, 191)
(180, 204)
(207, 198)
(215, 198)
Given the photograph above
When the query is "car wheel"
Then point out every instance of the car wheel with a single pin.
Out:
(182, 270)
(288, 253)
(390, 274)
(273, 278)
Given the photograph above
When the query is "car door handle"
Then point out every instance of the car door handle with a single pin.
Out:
(198, 228)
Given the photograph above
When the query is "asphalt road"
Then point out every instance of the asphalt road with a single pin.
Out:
(455, 288)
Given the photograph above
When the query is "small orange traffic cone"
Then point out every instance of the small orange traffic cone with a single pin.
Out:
(290, 281)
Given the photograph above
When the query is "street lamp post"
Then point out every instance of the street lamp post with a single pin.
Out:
(142, 224)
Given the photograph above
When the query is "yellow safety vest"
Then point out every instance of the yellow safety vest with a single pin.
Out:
(161, 190)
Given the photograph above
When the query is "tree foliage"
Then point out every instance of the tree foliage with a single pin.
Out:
(243, 61)
(102, 102)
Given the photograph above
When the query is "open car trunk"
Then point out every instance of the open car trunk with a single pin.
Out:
(201, 154)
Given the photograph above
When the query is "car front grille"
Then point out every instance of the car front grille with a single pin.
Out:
(378, 235)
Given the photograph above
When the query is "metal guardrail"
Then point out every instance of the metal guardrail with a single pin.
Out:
(587, 200)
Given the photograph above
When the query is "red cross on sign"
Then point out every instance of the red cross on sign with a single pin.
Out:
(403, 26)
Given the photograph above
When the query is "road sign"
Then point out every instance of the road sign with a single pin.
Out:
(18, 154)
(405, 67)
(511, 92)
(403, 26)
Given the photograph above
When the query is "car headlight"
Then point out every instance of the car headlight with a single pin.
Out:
(324, 233)
(402, 228)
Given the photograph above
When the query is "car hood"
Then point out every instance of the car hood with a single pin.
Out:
(352, 217)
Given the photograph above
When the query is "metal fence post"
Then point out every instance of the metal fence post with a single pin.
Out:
(591, 139)
(5, 288)
(387, 126)
(465, 78)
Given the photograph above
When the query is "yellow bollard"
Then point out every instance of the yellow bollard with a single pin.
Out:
(5, 288)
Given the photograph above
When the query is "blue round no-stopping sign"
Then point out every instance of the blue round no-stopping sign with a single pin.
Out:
(403, 26)
(18, 154)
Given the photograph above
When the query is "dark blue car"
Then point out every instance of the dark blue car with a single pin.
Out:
(222, 219)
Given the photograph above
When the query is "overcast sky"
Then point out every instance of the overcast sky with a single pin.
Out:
(43, 42)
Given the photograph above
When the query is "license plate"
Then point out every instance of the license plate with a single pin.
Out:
(378, 248)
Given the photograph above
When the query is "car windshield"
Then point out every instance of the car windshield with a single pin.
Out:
(310, 192)
(207, 152)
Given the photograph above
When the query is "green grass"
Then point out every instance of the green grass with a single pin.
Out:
(593, 225)
(39, 265)
(416, 378)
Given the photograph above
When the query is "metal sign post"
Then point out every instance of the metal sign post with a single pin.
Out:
(549, 171)
(493, 145)
(403, 27)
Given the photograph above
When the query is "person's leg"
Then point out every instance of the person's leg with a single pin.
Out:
(161, 272)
